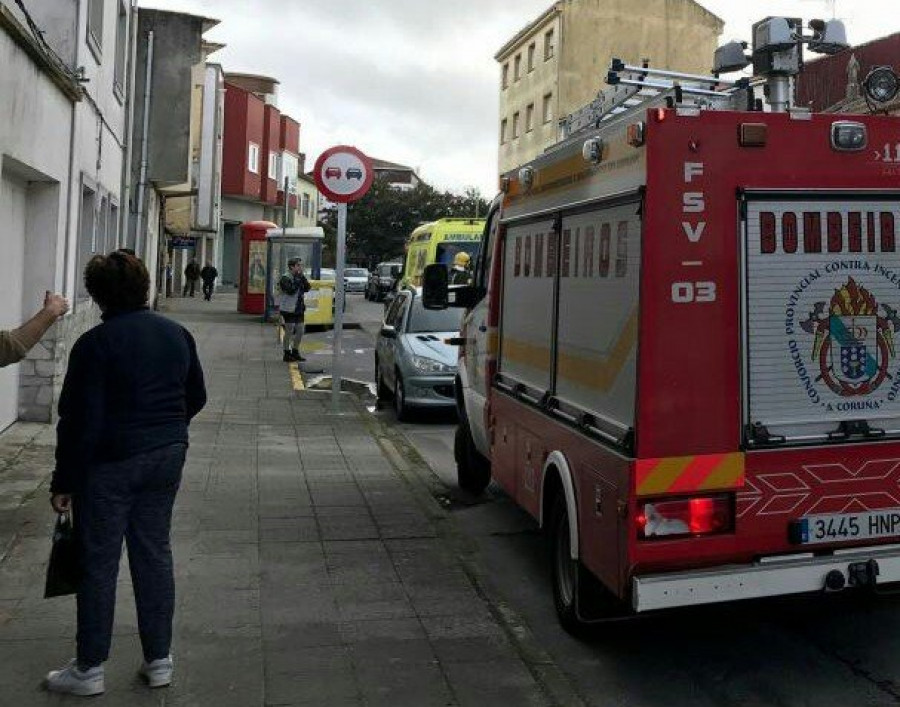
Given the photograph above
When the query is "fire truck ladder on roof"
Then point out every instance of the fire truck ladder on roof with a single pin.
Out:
(634, 88)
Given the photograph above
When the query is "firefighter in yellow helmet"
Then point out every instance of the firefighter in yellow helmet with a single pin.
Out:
(459, 273)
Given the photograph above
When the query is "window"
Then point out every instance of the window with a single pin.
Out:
(273, 165)
(505, 78)
(95, 27)
(527, 256)
(289, 168)
(517, 72)
(622, 249)
(306, 204)
(86, 234)
(102, 244)
(605, 235)
(548, 108)
(121, 44)
(113, 225)
(515, 132)
(548, 45)
(529, 118)
(531, 49)
(503, 128)
(253, 158)
(395, 314)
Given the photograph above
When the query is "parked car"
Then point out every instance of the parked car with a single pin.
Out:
(414, 365)
(356, 279)
(382, 280)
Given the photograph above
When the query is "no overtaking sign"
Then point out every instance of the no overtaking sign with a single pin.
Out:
(343, 174)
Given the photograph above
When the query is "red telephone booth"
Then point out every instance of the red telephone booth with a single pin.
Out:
(252, 292)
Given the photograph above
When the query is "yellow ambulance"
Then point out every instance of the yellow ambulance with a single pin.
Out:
(439, 242)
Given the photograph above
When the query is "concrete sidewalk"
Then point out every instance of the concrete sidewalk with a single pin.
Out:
(312, 567)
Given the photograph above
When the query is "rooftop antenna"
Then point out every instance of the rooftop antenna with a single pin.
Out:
(831, 5)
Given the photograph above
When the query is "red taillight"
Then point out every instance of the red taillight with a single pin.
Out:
(704, 515)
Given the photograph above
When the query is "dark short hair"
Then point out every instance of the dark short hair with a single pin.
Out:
(294, 261)
(118, 281)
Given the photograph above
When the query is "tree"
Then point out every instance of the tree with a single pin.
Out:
(379, 223)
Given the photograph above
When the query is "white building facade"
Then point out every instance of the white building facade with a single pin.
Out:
(62, 141)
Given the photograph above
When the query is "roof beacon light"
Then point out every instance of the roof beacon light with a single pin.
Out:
(882, 84)
(730, 58)
(635, 133)
(828, 37)
(773, 34)
(526, 177)
(592, 150)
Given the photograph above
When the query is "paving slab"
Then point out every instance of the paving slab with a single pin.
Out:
(310, 570)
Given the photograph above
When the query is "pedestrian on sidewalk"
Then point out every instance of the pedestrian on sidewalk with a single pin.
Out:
(15, 344)
(208, 274)
(133, 384)
(293, 285)
(191, 275)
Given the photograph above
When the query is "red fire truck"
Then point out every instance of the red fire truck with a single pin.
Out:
(681, 347)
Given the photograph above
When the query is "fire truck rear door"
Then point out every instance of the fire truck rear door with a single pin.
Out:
(820, 315)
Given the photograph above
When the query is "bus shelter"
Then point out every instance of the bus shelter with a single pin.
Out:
(305, 243)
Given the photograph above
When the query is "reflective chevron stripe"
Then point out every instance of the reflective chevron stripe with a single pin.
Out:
(709, 472)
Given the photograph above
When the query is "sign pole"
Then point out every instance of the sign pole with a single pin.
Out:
(343, 174)
(338, 306)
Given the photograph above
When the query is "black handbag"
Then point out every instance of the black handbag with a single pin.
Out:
(64, 569)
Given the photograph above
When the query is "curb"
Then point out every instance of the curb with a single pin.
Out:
(425, 485)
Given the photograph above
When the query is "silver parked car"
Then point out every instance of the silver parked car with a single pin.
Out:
(356, 279)
(413, 363)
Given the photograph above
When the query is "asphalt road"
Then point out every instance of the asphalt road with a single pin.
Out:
(357, 361)
(841, 651)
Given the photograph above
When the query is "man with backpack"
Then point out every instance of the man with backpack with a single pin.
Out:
(293, 285)
(208, 274)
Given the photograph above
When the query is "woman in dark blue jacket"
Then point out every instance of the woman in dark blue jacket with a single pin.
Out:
(132, 386)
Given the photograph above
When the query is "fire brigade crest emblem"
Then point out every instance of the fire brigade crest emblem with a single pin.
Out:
(853, 344)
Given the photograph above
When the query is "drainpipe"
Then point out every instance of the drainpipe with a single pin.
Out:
(125, 205)
(70, 210)
(142, 183)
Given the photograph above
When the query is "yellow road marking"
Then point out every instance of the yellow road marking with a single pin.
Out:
(296, 376)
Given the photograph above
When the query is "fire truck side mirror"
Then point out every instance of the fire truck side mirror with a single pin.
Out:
(435, 287)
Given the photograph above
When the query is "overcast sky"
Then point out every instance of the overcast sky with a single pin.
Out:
(415, 81)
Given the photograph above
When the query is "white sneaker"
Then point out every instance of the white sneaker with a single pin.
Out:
(158, 673)
(72, 681)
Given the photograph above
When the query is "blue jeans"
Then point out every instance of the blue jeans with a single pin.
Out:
(130, 499)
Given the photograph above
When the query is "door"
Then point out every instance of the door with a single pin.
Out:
(480, 342)
(230, 255)
(13, 201)
(387, 347)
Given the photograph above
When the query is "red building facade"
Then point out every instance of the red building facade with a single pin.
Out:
(259, 145)
(242, 143)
